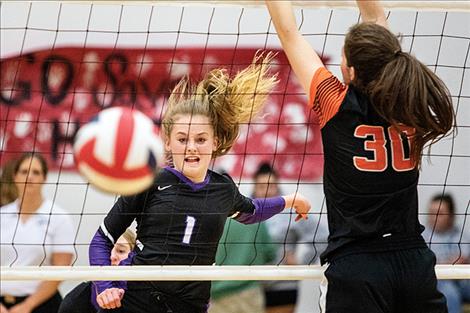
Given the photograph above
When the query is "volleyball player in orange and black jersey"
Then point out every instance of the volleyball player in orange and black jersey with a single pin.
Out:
(368, 176)
(374, 128)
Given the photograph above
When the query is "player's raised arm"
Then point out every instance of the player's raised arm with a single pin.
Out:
(302, 57)
(372, 11)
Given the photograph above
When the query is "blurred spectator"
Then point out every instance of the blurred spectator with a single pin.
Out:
(313, 239)
(241, 245)
(8, 191)
(281, 296)
(33, 232)
(312, 242)
(450, 245)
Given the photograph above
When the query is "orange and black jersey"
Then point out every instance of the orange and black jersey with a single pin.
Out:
(370, 182)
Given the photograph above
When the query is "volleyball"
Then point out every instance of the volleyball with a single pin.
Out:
(117, 151)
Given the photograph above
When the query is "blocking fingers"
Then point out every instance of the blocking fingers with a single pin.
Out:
(301, 216)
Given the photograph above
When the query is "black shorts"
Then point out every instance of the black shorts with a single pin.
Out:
(78, 300)
(402, 281)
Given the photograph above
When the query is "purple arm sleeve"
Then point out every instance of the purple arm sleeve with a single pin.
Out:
(99, 255)
(116, 284)
(122, 284)
(100, 249)
(265, 208)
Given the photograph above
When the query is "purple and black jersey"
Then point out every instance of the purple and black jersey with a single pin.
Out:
(179, 223)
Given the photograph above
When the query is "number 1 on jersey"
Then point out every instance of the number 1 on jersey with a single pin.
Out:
(190, 221)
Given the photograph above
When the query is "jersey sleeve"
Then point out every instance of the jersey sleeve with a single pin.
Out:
(326, 95)
(241, 203)
(249, 211)
(122, 214)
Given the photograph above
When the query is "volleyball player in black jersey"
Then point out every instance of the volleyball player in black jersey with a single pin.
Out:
(374, 128)
(180, 219)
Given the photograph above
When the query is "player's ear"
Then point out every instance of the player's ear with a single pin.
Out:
(166, 139)
(352, 73)
(216, 144)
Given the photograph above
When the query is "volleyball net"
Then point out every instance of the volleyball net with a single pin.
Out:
(62, 63)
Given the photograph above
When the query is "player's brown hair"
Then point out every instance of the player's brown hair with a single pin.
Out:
(402, 90)
(227, 102)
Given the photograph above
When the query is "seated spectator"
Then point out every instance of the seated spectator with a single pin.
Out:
(281, 296)
(34, 231)
(241, 245)
(450, 245)
(82, 299)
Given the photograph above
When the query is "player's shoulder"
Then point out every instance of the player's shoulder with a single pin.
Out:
(221, 178)
(324, 80)
(356, 101)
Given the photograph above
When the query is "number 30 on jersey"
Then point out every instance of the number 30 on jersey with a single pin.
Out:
(378, 145)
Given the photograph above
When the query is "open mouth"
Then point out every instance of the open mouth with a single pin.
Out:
(191, 159)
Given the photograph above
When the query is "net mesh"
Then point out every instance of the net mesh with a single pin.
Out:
(61, 63)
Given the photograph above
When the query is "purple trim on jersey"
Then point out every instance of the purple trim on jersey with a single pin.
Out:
(116, 284)
(100, 249)
(194, 186)
(265, 208)
(100, 255)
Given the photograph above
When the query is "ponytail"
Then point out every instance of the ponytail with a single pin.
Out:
(401, 89)
(227, 102)
(407, 92)
(237, 101)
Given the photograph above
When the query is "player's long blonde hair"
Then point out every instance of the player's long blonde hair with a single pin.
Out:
(226, 102)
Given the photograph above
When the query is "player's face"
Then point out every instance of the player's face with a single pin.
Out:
(120, 251)
(191, 144)
(266, 186)
(30, 176)
(439, 216)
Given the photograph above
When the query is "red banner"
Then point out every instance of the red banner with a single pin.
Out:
(46, 95)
